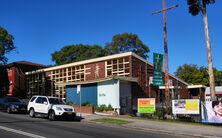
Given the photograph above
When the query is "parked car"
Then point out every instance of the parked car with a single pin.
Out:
(12, 105)
(51, 107)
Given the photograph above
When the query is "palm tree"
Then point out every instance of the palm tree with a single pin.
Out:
(196, 6)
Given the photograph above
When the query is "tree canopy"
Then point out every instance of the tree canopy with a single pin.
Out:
(6, 44)
(127, 42)
(193, 74)
(218, 77)
(78, 52)
(195, 6)
(120, 43)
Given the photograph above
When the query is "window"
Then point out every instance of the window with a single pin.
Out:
(44, 100)
(55, 101)
(109, 62)
(109, 72)
(41, 100)
(38, 100)
(33, 98)
(118, 67)
(126, 59)
(115, 61)
(13, 100)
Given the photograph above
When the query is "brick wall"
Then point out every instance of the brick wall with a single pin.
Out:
(95, 71)
(138, 69)
(84, 109)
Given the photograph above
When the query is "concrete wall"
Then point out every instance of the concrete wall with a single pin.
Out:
(108, 93)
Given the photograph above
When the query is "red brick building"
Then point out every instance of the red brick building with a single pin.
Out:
(15, 80)
(127, 70)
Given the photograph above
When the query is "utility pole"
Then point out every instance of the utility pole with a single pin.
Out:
(166, 67)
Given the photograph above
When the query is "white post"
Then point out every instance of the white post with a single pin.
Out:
(80, 98)
(80, 103)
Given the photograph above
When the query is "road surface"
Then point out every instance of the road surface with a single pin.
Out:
(22, 126)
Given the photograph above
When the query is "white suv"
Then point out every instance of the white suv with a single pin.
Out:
(52, 107)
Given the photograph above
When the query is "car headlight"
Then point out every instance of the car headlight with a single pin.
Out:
(59, 108)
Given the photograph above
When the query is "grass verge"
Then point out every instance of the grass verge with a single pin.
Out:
(112, 121)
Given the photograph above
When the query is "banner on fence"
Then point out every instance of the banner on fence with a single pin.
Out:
(212, 112)
(185, 106)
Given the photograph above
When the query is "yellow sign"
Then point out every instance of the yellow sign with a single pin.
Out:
(192, 105)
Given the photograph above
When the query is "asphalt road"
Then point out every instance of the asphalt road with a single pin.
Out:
(22, 126)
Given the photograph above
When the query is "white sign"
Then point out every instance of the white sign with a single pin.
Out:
(78, 88)
(185, 106)
(150, 80)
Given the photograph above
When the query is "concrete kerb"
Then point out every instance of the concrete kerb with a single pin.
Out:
(136, 124)
(178, 133)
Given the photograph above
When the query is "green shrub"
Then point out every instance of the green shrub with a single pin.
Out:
(168, 111)
(162, 111)
(159, 112)
(109, 108)
(86, 104)
(103, 107)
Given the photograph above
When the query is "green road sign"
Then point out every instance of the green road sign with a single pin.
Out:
(157, 75)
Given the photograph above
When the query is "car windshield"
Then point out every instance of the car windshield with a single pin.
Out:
(13, 100)
(55, 101)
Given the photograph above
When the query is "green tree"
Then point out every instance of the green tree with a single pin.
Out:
(127, 42)
(189, 73)
(193, 74)
(218, 77)
(196, 6)
(73, 53)
(6, 44)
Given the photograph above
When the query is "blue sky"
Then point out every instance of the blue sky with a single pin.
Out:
(41, 27)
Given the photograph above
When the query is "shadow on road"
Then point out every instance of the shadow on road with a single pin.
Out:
(76, 119)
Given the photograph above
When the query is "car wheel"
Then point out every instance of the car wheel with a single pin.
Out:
(32, 112)
(52, 116)
(8, 110)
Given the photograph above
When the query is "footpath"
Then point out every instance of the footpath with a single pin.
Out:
(177, 128)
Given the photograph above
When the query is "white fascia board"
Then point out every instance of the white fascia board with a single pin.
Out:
(195, 86)
(164, 87)
(85, 62)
